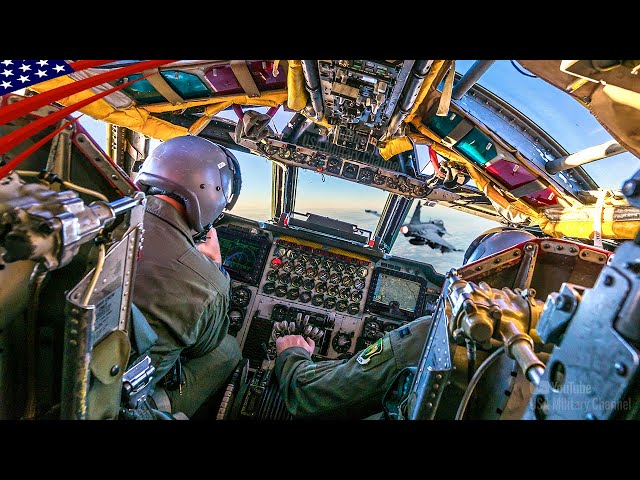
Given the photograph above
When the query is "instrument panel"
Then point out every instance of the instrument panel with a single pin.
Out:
(353, 298)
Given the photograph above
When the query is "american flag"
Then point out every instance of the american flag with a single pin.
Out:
(18, 74)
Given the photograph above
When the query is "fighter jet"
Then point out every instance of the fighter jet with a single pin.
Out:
(424, 233)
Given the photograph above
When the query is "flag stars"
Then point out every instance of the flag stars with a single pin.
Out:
(6, 84)
(41, 73)
(6, 72)
(42, 63)
(6, 63)
(58, 68)
(23, 78)
(24, 67)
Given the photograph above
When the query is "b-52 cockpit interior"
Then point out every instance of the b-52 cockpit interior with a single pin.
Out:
(511, 328)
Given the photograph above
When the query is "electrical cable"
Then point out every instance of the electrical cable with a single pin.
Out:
(96, 275)
(522, 72)
(474, 381)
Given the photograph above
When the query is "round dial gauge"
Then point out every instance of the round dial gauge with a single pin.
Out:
(351, 269)
(269, 288)
(379, 179)
(305, 297)
(332, 290)
(372, 330)
(292, 254)
(299, 268)
(341, 342)
(342, 305)
(280, 251)
(317, 300)
(347, 281)
(303, 257)
(293, 293)
(315, 260)
(362, 272)
(329, 302)
(344, 293)
(327, 264)
(321, 287)
(284, 278)
(287, 266)
(309, 284)
(272, 276)
(311, 272)
(323, 275)
(334, 277)
(356, 296)
(339, 267)
(353, 308)
(241, 296)
(358, 284)
(296, 281)
(281, 290)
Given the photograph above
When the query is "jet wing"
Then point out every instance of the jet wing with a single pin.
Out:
(434, 240)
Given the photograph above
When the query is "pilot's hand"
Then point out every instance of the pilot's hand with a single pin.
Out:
(210, 247)
(288, 341)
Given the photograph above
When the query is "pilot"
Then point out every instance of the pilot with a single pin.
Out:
(354, 388)
(180, 287)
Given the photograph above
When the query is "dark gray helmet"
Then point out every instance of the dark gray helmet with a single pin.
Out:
(206, 176)
(494, 240)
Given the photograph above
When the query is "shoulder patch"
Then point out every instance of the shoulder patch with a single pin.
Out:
(371, 351)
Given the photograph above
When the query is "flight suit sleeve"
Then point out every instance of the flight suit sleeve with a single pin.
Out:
(351, 388)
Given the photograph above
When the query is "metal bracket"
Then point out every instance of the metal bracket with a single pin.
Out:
(246, 81)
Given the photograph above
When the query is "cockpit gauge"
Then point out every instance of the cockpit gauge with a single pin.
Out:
(311, 272)
(362, 272)
(323, 275)
(285, 278)
(379, 179)
(287, 266)
(403, 185)
(309, 284)
(353, 308)
(341, 305)
(303, 257)
(269, 288)
(344, 293)
(356, 296)
(300, 157)
(329, 302)
(389, 326)
(305, 297)
(392, 182)
(240, 297)
(317, 300)
(371, 329)
(350, 270)
(347, 281)
(296, 281)
(365, 176)
(292, 254)
(280, 251)
(315, 260)
(281, 290)
(236, 318)
(293, 293)
(272, 276)
(285, 153)
(358, 283)
(299, 268)
(334, 277)
(327, 264)
(339, 267)
(321, 287)
(341, 342)
(276, 263)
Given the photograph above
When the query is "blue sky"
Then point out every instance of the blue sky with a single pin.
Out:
(565, 119)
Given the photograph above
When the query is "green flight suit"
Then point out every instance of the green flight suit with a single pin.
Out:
(185, 297)
(352, 388)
